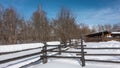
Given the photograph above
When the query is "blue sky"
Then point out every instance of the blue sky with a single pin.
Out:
(91, 12)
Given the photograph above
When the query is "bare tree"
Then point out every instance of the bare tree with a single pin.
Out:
(84, 28)
(104, 27)
(108, 27)
(41, 25)
(116, 27)
(64, 25)
(1, 23)
(93, 29)
(10, 19)
(22, 31)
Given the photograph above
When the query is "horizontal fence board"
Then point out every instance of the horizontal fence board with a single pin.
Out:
(61, 57)
(79, 45)
(52, 49)
(107, 61)
(67, 51)
(17, 58)
(53, 45)
(3, 53)
(100, 48)
(100, 54)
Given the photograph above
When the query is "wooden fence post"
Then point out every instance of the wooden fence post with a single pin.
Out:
(44, 53)
(59, 47)
(82, 53)
(76, 43)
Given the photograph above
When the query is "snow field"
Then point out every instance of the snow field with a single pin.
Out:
(61, 63)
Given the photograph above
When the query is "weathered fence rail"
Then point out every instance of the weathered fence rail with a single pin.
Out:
(107, 61)
(63, 57)
(64, 51)
(100, 54)
(3, 53)
(17, 58)
(99, 48)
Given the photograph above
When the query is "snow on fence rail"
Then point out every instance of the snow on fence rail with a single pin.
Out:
(19, 47)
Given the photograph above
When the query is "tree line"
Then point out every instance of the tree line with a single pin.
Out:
(15, 29)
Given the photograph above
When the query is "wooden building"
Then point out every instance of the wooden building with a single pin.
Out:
(102, 36)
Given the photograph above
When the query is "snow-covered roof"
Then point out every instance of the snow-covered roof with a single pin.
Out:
(53, 43)
(98, 33)
(115, 32)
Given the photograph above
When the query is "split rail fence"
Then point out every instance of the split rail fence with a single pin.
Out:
(105, 54)
(43, 54)
(15, 57)
(45, 51)
(58, 49)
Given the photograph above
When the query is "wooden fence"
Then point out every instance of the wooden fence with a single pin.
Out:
(59, 50)
(15, 58)
(105, 54)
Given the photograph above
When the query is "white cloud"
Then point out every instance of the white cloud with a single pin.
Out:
(101, 16)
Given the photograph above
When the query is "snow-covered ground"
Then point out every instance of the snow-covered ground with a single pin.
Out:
(68, 63)
(103, 44)
(65, 63)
